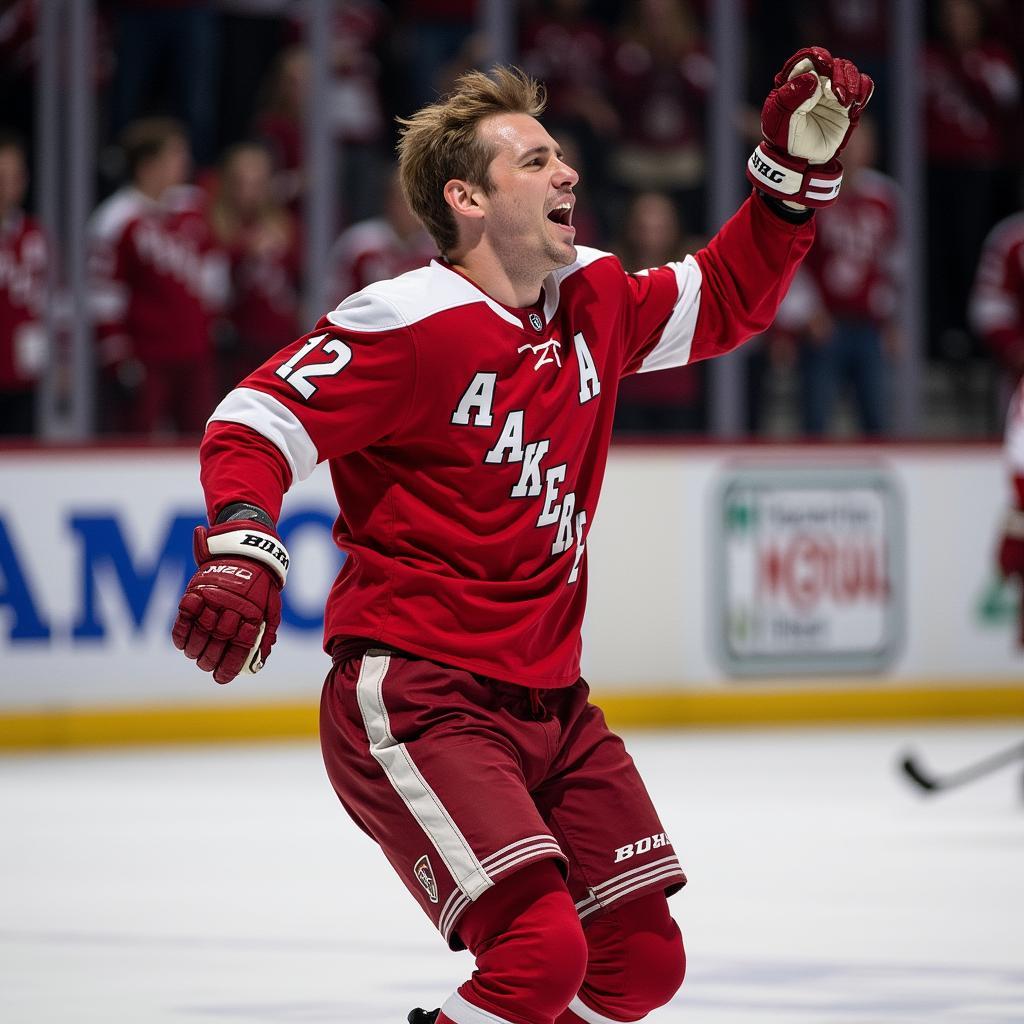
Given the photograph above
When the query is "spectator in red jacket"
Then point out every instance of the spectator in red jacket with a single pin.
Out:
(158, 280)
(261, 239)
(22, 282)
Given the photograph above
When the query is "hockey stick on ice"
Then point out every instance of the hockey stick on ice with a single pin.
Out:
(936, 783)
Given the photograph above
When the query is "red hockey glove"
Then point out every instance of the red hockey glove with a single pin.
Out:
(805, 123)
(227, 621)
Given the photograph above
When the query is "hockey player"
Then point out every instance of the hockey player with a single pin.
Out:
(465, 410)
(1010, 556)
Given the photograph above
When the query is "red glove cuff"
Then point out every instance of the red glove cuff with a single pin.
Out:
(791, 178)
(242, 539)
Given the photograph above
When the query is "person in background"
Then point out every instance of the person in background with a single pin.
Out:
(996, 308)
(178, 37)
(971, 93)
(669, 401)
(158, 280)
(262, 241)
(854, 268)
(22, 284)
(379, 248)
(1010, 552)
(279, 123)
(660, 77)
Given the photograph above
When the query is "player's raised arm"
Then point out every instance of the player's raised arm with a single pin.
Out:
(341, 388)
(731, 290)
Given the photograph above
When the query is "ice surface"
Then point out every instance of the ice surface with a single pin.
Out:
(224, 884)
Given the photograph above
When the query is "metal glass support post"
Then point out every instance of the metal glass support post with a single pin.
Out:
(319, 164)
(725, 191)
(907, 148)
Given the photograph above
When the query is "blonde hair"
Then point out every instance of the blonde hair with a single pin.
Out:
(441, 142)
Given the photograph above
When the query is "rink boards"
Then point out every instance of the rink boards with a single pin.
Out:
(727, 584)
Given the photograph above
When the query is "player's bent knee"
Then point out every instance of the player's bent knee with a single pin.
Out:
(528, 942)
(637, 960)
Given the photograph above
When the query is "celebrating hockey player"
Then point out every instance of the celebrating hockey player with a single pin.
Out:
(465, 410)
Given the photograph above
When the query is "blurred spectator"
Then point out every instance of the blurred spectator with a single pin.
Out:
(18, 49)
(280, 123)
(859, 31)
(971, 90)
(180, 38)
(997, 299)
(660, 78)
(157, 281)
(261, 239)
(840, 311)
(22, 285)
(569, 52)
(380, 248)
(252, 34)
(434, 32)
(669, 401)
(355, 104)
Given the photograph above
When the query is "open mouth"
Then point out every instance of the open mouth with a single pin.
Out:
(562, 215)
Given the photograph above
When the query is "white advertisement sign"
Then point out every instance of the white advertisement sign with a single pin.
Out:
(710, 568)
(813, 571)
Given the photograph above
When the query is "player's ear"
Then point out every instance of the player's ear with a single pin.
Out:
(461, 196)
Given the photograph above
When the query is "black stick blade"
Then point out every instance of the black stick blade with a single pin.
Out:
(913, 771)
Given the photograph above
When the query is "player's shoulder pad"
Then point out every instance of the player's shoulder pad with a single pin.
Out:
(408, 299)
(114, 214)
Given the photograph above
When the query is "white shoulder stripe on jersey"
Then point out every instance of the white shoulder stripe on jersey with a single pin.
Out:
(405, 300)
(405, 777)
(275, 421)
(464, 1012)
(673, 347)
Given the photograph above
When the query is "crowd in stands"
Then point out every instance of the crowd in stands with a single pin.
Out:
(197, 245)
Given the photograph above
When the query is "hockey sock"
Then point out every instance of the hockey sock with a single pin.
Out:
(530, 952)
(636, 964)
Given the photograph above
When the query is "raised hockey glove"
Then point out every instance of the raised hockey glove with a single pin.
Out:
(228, 618)
(805, 123)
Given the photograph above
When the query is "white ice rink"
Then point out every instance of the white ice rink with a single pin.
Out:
(222, 885)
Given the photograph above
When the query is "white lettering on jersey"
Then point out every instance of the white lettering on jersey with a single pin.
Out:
(480, 396)
(581, 523)
(529, 485)
(590, 384)
(510, 441)
(563, 538)
(552, 478)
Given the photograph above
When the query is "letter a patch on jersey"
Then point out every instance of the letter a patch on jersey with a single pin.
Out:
(425, 876)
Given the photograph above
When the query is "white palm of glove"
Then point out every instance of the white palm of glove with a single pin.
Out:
(820, 123)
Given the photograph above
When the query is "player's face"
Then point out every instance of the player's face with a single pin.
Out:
(529, 210)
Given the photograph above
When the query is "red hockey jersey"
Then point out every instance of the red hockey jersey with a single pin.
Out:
(997, 299)
(22, 283)
(467, 441)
